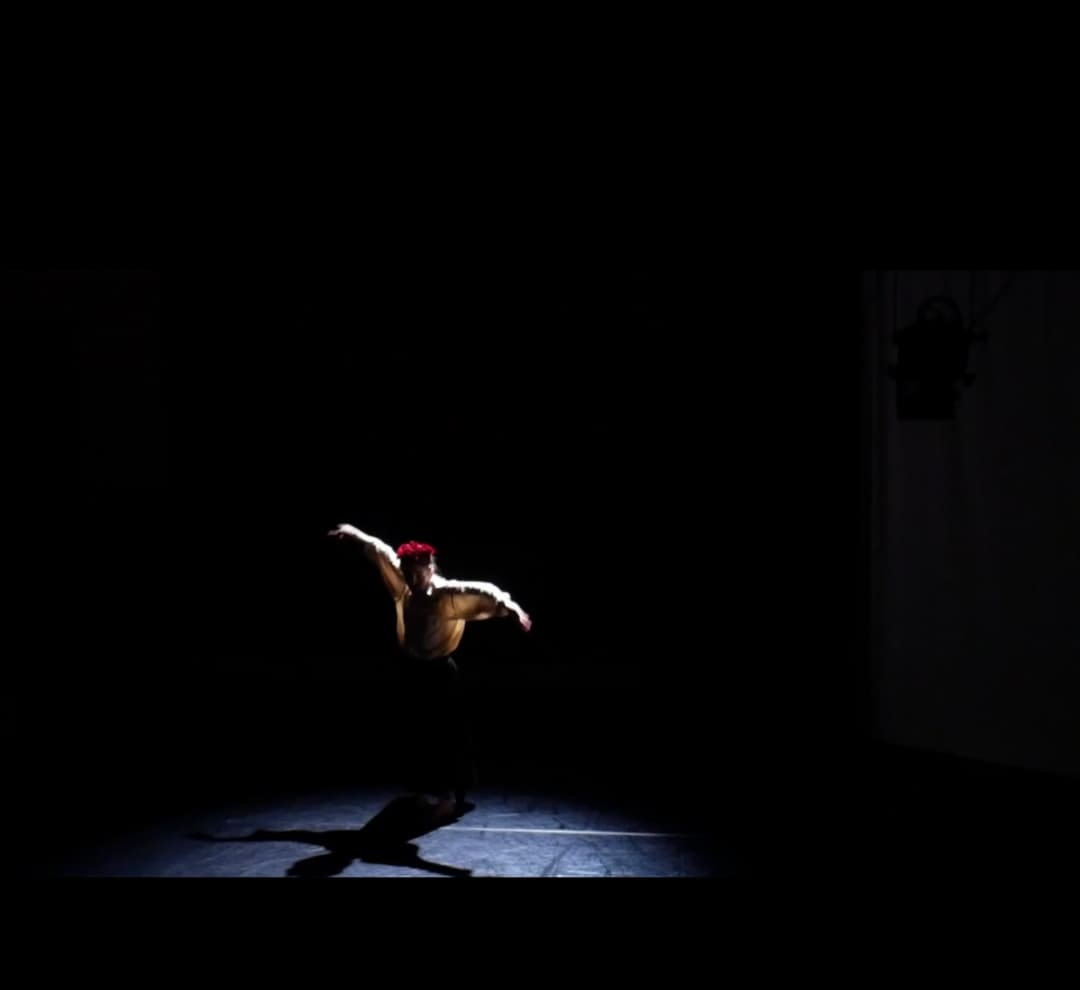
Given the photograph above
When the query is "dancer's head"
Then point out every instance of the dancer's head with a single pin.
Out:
(417, 564)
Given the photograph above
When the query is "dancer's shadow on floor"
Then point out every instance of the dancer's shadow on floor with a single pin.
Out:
(384, 839)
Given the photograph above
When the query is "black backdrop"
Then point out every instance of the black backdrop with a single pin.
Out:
(611, 436)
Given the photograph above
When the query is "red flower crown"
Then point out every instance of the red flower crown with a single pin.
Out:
(414, 549)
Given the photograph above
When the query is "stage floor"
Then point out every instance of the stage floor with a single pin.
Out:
(376, 833)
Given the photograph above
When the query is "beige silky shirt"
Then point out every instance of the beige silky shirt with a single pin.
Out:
(431, 626)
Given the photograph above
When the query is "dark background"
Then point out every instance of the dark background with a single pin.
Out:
(674, 469)
(574, 426)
